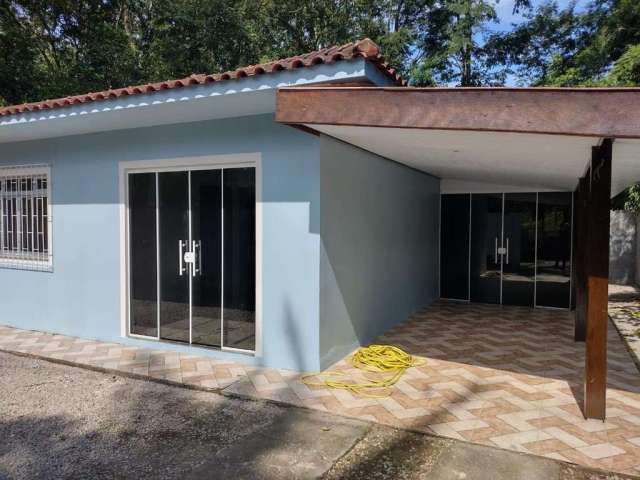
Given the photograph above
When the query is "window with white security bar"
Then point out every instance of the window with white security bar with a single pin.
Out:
(25, 218)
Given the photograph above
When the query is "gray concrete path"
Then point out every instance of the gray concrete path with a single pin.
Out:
(58, 422)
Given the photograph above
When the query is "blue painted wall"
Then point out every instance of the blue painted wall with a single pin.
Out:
(82, 295)
(375, 264)
(379, 251)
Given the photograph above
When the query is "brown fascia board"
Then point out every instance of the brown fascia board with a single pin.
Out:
(597, 112)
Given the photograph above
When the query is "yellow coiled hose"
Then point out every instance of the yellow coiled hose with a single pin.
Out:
(386, 361)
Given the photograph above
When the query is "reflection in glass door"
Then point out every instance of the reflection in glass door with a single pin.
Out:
(486, 247)
(206, 243)
(143, 295)
(173, 208)
(519, 259)
(554, 249)
(454, 246)
(239, 258)
(192, 244)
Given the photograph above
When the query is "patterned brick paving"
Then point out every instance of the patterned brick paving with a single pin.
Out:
(171, 367)
(502, 376)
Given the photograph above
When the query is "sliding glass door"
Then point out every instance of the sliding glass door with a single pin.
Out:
(507, 248)
(192, 256)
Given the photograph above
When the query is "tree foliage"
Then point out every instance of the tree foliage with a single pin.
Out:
(564, 47)
(54, 48)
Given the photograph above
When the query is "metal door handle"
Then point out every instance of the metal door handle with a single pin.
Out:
(200, 257)
(197, 257)
(181, 268)
(507, 250)
(496, 250)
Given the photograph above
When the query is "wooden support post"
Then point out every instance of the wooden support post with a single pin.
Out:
(597, 266)
(580, 235)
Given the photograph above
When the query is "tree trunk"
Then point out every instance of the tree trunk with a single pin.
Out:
(467, 46)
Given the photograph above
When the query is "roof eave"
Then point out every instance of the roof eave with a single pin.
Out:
(231, 98)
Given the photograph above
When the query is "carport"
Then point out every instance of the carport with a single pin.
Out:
(585, 141)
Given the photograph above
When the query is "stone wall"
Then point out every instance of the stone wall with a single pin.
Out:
(624, 250)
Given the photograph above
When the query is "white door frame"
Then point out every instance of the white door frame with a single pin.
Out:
(185, 164)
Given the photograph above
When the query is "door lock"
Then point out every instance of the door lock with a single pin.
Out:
(189, 257)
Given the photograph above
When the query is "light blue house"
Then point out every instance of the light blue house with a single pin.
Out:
(183, 213)
(284, 214)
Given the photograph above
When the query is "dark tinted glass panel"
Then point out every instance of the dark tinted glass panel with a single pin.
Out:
(174, 274)
(143, 316)
(454, 247)
(486, 238)
(206, 217)
(554, 249)
(573, 249)
(239, 257)
(518, 266)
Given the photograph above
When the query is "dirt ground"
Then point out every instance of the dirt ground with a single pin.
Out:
(58, 422)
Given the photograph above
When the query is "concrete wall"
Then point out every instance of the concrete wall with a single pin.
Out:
(623, 248)
(379, 229)
(82, 295)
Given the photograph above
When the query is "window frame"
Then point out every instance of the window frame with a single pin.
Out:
(16, 263)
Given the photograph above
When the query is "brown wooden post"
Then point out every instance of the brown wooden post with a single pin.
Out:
(582, 194)
(597, 265)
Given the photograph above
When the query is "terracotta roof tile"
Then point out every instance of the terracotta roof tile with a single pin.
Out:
(366, 49)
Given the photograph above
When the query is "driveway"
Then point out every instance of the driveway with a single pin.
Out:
(58, 421)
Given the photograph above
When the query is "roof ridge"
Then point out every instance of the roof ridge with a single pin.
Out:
(364, 48)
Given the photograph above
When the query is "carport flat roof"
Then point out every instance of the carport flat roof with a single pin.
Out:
(529, 137)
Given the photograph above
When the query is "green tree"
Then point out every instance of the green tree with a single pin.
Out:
(626, 69)
(449, 43)
(64, 47)
(281, 28)
(563, 47)
(18, 60)
(544, 41)
(181, 37)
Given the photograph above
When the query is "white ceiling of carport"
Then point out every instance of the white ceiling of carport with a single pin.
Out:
(530, 160)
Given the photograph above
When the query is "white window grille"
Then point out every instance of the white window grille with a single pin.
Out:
(25, 218)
